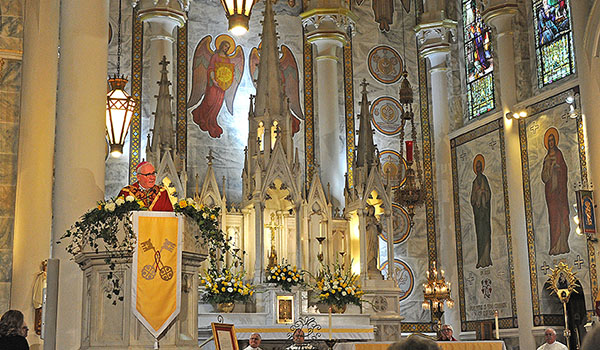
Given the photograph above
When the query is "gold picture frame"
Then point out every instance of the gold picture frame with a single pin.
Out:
(224, 335)
(285, 309)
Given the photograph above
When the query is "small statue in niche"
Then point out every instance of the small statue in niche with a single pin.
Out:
(373, 230)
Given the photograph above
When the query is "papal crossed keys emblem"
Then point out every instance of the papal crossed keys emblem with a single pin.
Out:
(149, 271)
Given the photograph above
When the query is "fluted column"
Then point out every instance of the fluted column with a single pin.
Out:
(80, 145)
(501, 16)
(36, 152)
(434, 45)
(326, 23)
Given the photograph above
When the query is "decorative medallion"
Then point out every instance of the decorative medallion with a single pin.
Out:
(385, 64)
(401, 224)
(394, 166)
(387, 115)
(403, 276)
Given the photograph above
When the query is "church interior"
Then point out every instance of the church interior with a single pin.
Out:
(438, 154)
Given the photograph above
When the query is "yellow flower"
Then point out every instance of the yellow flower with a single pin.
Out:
(213, 217)
(182, 203)
(99, 206)
(201, 206)
(222, 289)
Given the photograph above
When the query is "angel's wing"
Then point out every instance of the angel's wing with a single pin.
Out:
(253, 64)
(237, 59)
(289, 69)
(199, 67)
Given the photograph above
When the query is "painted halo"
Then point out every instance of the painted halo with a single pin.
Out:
(225, 37)
(551, 131)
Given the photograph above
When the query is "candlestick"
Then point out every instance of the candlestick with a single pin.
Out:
(409, 151)
(497, 328)
(330, 323)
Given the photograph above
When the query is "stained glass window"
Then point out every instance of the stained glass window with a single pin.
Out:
(553, 40)
(478, 61)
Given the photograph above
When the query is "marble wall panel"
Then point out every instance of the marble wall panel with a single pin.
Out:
(367, 35)
(11, 43)
(5, 265)
(545, 249)
(4, 295)
(8, 168)
(10, 106)
(6, 229)
(7, 200)
(11, 25)
(483, 235)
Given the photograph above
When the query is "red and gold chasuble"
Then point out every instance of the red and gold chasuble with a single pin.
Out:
(156, 269)
(155, 199)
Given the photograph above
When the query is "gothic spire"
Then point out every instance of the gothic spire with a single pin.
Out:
(163, 135)
(270, 94)
(365, 151)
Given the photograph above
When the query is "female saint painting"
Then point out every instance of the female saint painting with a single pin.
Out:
(554, 176)
(481, 202)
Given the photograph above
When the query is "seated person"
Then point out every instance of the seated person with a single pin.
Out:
(299, 344)
(446, 333)
(155, 198)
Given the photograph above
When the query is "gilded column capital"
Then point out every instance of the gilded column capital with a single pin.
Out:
(169, 11)
(328, 24)
(436, 35)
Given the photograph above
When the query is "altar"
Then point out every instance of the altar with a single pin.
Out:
(445, 345)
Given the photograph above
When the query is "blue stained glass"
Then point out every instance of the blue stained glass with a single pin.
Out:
(553, 40)
(479, 63)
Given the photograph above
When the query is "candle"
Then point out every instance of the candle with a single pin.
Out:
(496, 320)
(409, 151)
(330, 323)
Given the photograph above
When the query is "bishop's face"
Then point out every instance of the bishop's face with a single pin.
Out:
(146, 176)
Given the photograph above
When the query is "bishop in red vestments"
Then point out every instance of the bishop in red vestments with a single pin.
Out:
(155, 198)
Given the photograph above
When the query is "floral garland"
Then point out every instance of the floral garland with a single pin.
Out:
(98, 229)
(285, 276)
(338, 287)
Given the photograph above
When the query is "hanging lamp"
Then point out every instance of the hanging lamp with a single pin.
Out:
(119, 105)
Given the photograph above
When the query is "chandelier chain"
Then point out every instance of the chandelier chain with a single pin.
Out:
(119, 42)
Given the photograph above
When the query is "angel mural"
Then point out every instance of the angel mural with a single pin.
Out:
(216, 76)
(289, 79)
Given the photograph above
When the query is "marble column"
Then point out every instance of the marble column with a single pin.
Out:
(501, 18)
(161, 18)
(259, 245)
(331, 135)
(326, 23)
(36, 153)
(80, 145)
(434, 45)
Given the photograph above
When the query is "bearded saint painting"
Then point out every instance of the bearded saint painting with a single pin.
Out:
(554, 176)
(481, 196)
(216, 76)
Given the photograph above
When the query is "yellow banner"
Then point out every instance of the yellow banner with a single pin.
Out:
(157, 270)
